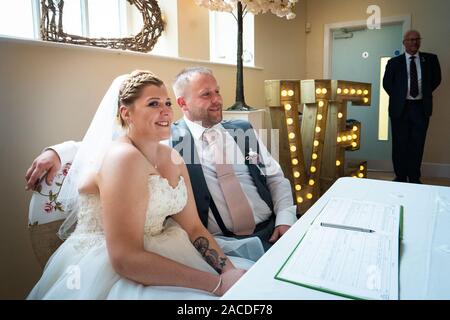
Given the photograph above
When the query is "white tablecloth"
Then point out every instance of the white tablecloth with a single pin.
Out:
(424, 250)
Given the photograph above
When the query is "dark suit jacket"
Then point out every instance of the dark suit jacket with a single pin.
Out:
(183, 142)
(395, 82)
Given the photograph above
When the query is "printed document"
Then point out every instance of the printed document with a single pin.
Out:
(351, 249)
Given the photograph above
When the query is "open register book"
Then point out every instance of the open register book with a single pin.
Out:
(351, 249)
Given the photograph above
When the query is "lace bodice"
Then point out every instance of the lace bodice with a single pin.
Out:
(164, 201)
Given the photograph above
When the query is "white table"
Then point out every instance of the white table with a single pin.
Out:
(424, 250)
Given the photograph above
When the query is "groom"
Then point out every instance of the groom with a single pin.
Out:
(246, 198)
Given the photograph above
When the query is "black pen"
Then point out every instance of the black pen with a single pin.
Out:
(331, 225)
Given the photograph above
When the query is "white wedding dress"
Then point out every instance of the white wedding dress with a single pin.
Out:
(81, 269)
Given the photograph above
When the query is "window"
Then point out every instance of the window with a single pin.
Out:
(96, 18)
(223, 38)
(167, 44)
(72, 18)
(90, 18)
(383, 114)
(27, 26)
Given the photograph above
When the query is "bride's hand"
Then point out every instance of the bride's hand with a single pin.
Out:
(229, 278)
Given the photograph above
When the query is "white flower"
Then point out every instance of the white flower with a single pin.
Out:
(281, 8)
(253, 157)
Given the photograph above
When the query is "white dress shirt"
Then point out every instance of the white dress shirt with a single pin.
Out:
(419, 75)
(279, 186)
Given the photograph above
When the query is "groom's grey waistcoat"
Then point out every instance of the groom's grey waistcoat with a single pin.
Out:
(183, 142)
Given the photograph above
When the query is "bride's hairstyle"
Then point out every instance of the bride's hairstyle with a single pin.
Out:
(131, 88)
(104, 129)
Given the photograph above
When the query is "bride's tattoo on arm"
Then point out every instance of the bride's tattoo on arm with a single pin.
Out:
(210, 255)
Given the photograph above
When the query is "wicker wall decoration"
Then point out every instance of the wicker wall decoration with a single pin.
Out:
(52, 27)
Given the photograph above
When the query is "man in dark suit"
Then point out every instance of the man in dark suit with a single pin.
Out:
(410, 80)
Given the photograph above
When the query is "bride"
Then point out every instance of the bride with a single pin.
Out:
(138, 234)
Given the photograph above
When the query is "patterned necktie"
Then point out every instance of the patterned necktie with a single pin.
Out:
(414, 83)
(240, 210)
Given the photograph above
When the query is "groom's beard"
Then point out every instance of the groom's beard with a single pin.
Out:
(206, 117)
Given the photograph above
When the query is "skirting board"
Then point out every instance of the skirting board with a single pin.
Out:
(437, 170)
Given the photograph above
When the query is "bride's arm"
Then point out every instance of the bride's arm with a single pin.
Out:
(123, 184)
(189, 220)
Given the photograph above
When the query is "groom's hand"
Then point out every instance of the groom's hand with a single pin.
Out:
(48, 163)
(278, 232)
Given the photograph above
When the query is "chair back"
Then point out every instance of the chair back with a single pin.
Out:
(45, 216)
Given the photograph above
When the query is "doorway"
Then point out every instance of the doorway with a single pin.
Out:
(357, 56)
(356, 53)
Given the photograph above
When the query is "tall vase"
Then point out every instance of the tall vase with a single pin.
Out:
(239, 104)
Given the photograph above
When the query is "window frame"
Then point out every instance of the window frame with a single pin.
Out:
(214, 36)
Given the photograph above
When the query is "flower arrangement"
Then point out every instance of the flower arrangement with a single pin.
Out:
(281, 8)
